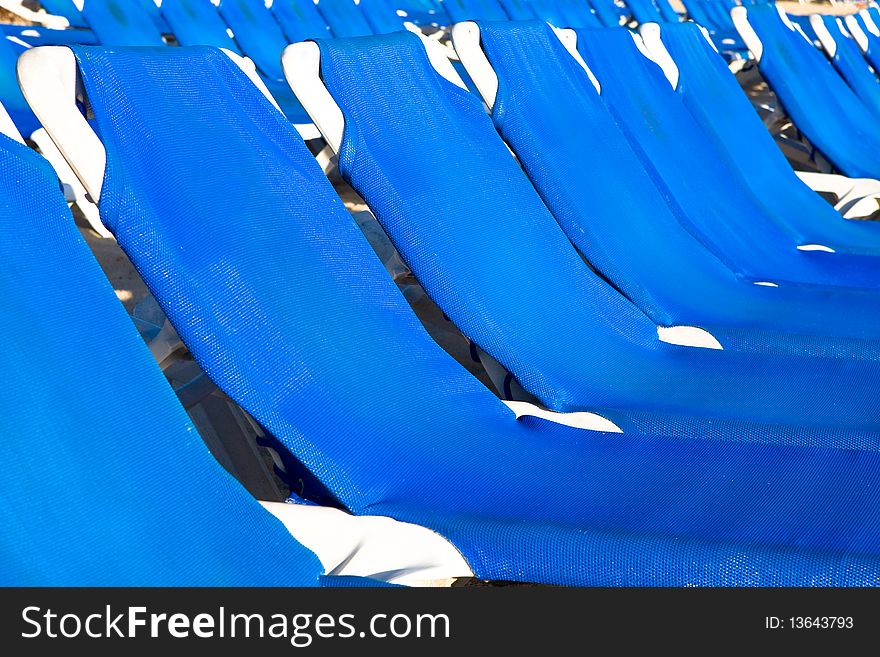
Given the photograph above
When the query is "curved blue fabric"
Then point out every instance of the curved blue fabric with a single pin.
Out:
(804, 23)
(717, 102)
(10, 93)
(872, 54)
(259, 36)
(645, 11)
(576, 13)
(852, 67)
(518, 10)
(300, 20)
(104, 480)
(718, 208)
(580, 162)
(472, 10)
(820, 103)
(277, 294)
(152, 10)
(197, 23)
(666, 11)
(67, 9)
(381, 16)
(607, 12)
(501, 269)
(121, 23)
(344, 18)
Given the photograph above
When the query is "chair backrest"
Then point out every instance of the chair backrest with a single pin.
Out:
(469, 10)
(152, 10)
(121, 23)
(852, 65)
(344, 18)
(607, 12)
(716, 100)
(300, 20)
(818, 100)
(104, 479)
(381, 16)
(258, 35)
(518, 10)
(721, 211)
(197, 23)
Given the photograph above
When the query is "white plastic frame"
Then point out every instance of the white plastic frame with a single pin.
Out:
(829, 43)
(40, 17)
(868, 20)
(856, 32)
(740, 18)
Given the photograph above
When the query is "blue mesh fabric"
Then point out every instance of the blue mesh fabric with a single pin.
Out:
(717, 102)
(819, 102)
(381, 15)
(804, 23)
(344, 18)
(257, 33)
(300, 20)
(550, 114)
(121, 23)
(872, 54)
(644, 11)
(852, 67)
(606, 12)
(152, 10)
(472, 10)
(518, 10)
(83, 407)
(666, 11)
(720, 210)
(432, 177)
(280, 298)
(197, 23)
(258, 36)
(10, 93)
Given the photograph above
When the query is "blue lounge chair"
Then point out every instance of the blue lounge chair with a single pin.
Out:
(381, 15)
(257, 35)
(122, 23)
(518, 10)
(817, 99)
(344, 18)
(10, 93)
(716, 100)
(718, 207)
(278, 295)
(539, 311)
(867, 36)
(67, 9)
(566, 13)
(548, 111)
(607, 12)
(144, 503)
(300, 20)
(466, 10)
(847, 58)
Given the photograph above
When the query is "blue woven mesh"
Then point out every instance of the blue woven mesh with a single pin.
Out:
(344, 18)
(281, 300)
(104, 480)
(717, 102)
(852, 67)
(518, 10)
(548, 111)
(872, 54)
(819, 102)
(381, 16)
(471, 10)
(300, 20)
(461, 212)
(720, 210)
(607, 12)
(121, 23)
(197, 23)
